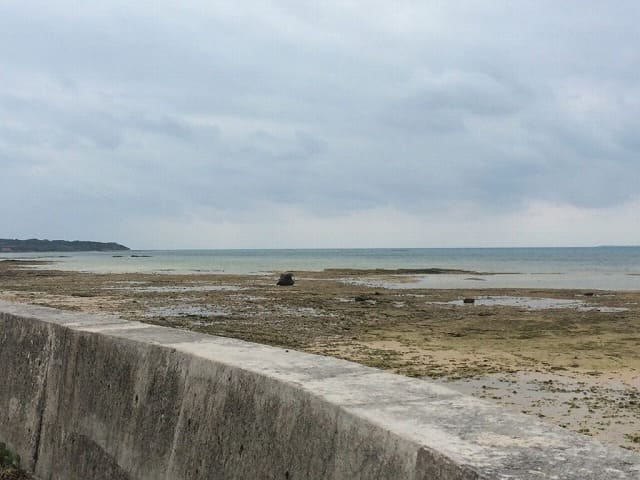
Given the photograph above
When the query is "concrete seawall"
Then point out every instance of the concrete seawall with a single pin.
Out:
(96, 397)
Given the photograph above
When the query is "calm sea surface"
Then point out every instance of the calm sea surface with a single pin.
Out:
(597, 267)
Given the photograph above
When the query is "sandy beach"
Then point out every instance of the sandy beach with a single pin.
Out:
(570, 357)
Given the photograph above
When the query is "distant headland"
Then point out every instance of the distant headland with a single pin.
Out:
(35, 245)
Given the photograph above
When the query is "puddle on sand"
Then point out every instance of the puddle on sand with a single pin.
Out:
(187, 311)
(286, 310)
(345, 299)
(178, 289)
(248, 298)
(356, 299)
(594, 308)
(533, 303)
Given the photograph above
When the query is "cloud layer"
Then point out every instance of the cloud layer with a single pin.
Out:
(300, 124)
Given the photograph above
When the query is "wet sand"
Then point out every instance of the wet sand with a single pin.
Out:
(571, 357)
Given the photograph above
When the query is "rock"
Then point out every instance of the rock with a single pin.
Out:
(286, 279)
(588, 294)
(469, 300)
(361, 298)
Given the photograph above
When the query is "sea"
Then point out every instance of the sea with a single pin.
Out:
(602, 268)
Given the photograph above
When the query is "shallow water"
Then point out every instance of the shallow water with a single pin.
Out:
(615, 268)
(534, 303)
(588, 280)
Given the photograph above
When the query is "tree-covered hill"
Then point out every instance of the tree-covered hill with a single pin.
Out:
(35, 245)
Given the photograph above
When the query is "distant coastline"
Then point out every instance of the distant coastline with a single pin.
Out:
(36, 245)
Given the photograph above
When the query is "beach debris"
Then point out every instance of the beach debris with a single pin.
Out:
(286, 279)
(469, 300)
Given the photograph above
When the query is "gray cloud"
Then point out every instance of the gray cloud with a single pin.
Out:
(121, 111)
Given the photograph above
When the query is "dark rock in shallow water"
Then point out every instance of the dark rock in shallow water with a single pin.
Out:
(286, 279)
(469, 300)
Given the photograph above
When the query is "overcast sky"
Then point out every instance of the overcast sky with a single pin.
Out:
(321, 124)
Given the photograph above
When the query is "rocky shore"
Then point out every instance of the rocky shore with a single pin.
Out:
(567, 356)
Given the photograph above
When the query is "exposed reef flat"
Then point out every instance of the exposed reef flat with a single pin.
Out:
(401, 271)
(575, 363)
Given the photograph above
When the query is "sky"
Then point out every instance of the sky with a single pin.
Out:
(297, 124)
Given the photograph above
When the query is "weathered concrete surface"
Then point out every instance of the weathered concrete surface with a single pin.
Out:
(96, 397)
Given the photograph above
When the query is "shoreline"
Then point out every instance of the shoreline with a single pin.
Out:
(533, 360)
(388, 278)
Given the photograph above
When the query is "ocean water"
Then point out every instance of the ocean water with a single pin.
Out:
(586, 267)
